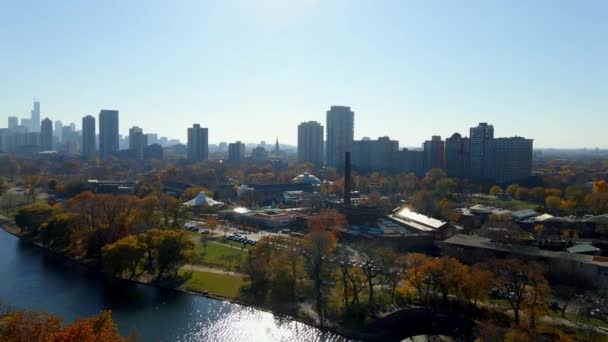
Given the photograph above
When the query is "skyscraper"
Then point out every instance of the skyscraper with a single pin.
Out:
(236, 152)
(480, 135)
(137, 142)
(13, 122)
(35, 119)
(508, 159)
(58, 128)
(108, 133)
(277, 149)
(310, 143)
(340, 132)
(88, 137)
(374, 155)
(198, 143)
(434, 153)
(46, 135)
(457, 156)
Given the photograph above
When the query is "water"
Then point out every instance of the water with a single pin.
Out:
(32, 278)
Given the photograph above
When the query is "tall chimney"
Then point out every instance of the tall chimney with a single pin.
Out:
(347, 178)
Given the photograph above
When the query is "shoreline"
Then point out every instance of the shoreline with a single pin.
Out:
(9, 226)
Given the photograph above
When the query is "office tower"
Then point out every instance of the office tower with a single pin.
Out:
(58, 128)
(457, 156)
(46, 135)
(236, 152)
(434, 153)
(277, 149)
(88, 137)
(479, 136)
(408, 161)
(137, 142)
(508, 159)
(310, 143)
(198, 143)
(340, 131)
(27, 123)
(164, 141)
(152, 138)
(373, 155)
(35, 120)
(108, 133)
(13, 122)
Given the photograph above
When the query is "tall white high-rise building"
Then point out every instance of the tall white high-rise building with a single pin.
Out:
(310, 143)
(340, 131)
(35, 119)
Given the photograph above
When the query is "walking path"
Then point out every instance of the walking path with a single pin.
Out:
(211, 270)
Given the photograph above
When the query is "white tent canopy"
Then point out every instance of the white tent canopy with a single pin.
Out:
(202, 199)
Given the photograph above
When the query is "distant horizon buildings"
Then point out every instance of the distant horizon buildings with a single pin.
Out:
(198, 143)
(310, 143)
(236, 152)
(340, 125)
(108, 133)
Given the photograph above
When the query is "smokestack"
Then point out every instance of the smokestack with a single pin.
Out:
(347, 178)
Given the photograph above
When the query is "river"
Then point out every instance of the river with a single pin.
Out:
(31, 278)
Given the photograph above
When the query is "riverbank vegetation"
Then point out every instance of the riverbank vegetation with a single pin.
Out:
(31, 325)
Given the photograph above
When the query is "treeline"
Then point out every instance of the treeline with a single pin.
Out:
(125, 234)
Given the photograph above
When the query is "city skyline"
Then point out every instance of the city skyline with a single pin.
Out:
(427, 66)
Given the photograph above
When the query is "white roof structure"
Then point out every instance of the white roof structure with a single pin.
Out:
(417, 221)
(201, 199)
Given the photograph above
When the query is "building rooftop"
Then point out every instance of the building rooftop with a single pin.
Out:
(416, 220)
(583, 248)
(486, 243)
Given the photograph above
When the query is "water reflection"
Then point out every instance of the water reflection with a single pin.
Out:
(32, 278)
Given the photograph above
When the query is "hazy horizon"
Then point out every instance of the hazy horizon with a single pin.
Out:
(253, 70)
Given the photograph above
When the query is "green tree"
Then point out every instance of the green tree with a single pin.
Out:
(125, 254)
(31, 217)
(56, 233)
(174, 249)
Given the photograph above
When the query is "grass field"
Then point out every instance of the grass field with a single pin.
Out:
(223, 285)
(218, 256)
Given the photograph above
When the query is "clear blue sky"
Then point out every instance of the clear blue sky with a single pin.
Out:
(253, 70)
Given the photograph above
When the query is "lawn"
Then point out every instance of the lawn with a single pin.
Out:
(218, 256)
(571, 316)
(234, 243)
(223, 285)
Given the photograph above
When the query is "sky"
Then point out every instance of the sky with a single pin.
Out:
(253, 70)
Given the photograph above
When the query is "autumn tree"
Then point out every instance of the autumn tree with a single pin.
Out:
(553, 203)
(525, 285)
(419, 275)
(496, 190)
(422, 202)
(319, 243)
(511, 190)
(538, 293)
(478, 283)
